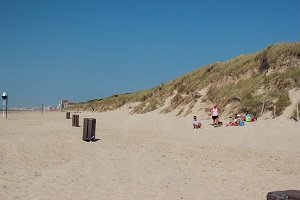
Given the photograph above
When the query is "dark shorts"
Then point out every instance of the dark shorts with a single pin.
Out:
(215, 117)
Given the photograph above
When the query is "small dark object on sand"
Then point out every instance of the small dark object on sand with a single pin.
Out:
(284, 195)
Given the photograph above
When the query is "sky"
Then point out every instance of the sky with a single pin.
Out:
(81, 50)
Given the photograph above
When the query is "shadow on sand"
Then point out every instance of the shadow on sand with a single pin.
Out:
(92, 140)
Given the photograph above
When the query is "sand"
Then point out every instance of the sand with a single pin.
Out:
(147, 156)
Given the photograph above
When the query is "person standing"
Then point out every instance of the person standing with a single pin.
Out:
(215, 112)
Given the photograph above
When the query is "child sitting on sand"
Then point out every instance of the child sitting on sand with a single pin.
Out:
(196, 123)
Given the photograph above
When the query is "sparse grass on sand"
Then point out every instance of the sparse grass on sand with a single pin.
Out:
(247, 81)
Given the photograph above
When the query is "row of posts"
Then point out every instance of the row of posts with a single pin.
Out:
(89, 126)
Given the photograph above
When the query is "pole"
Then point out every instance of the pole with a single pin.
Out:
(3, 109)
(6, 102)
(42, 108)
(298, 113)
(263, 107)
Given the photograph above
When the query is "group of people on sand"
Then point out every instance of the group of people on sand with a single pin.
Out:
(236, 120)
(240, 119)
(215, 112)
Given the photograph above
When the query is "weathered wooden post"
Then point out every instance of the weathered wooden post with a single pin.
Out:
(298, 113)
(263, 107)
(75, 120)
(274, 111)
(67, 115)
(89, 129)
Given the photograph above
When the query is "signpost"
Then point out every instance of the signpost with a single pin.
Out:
(5, 100)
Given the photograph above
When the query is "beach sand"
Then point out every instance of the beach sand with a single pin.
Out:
(149, 156)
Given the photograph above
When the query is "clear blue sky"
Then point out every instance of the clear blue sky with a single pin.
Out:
(81, 50)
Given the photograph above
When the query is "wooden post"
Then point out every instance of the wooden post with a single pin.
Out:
(263, 108)
(298, 113)
(274, 111)
(67, 115)
(3, 109)
(89, 129)
(75, 120)
(6, 108)
(42, 108)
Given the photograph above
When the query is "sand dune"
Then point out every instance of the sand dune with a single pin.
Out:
(148, 156)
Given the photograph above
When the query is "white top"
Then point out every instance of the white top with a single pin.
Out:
(215, 112)
(196, 122)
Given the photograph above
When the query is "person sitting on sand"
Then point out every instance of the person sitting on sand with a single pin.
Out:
(235, 120)
(196, 123)
(240, 121)
(247, 117)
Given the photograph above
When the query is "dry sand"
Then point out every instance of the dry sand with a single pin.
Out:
(148, 156)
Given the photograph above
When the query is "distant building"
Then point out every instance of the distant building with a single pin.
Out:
(48, 108)
(63, 104)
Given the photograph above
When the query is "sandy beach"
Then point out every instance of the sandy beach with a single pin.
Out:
(149, 156)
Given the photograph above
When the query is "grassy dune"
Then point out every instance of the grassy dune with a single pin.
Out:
(244, 82)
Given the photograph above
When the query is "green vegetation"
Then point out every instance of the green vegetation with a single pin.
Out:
(244, 82)
(113, 102)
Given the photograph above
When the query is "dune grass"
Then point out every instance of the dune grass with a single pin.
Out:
(247, 80)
